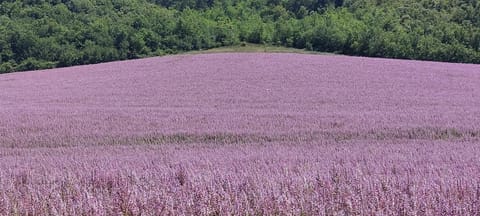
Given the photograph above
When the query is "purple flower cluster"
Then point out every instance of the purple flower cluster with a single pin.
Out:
(349, 178)
(242, 134)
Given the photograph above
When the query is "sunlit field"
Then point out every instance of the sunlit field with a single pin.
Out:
(242, 134)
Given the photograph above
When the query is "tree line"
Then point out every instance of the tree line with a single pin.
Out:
(37, 34)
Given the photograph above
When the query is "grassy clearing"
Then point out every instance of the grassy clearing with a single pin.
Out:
(249, 47)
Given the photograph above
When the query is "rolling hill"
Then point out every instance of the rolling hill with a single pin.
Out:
(242, 133)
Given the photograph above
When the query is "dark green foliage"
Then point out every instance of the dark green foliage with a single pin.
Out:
(37, 34)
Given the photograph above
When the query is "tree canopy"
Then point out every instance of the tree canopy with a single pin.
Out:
(36, 34)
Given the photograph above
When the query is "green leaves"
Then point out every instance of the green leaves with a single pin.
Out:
(84, 31)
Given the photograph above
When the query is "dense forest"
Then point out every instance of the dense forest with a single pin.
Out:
(37, 34)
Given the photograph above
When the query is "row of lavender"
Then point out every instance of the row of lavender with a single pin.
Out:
(358, 178)
(189, 97)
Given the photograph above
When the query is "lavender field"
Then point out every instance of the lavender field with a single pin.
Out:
(242, 134)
